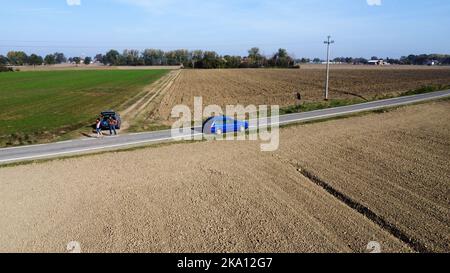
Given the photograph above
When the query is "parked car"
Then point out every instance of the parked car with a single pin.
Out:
(106, 115)
(222, 124)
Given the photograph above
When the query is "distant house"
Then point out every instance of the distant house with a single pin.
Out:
(432, 62)
(377, 62)
(331, 62)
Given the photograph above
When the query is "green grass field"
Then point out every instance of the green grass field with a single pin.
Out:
(41, 106)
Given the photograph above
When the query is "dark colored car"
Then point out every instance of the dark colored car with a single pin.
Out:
(222, 125)
(106, 115)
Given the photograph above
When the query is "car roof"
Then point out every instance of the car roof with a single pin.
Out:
(110, 112)
(219, 118)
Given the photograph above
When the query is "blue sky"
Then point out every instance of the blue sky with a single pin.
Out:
(386, 28)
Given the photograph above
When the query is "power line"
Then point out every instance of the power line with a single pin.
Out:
(23, 43)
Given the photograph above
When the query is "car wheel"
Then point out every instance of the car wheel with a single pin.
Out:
(218, 132)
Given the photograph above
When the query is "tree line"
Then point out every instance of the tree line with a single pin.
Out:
(20, 58)
(422, 59)
(153, 57)
(203, 59)
(196, 59)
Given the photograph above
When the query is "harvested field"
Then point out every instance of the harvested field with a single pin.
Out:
(279, 86)
(230, 197)
(397, 164)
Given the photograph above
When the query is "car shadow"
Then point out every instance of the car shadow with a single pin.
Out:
(197, 130)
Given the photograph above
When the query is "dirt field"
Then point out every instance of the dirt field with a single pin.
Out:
(397, 164)
(279, 86)
(230, 197)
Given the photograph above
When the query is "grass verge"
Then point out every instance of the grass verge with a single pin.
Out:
(312, 106)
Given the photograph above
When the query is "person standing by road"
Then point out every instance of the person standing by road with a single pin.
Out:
(298, 97)
(98, 128)
(112, 126)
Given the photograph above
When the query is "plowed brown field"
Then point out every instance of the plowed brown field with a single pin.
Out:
(279, 86)
(396, 163)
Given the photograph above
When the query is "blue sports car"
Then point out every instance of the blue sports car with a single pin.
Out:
(223, 124)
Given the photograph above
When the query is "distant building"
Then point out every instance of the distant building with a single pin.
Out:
(331, 62)
(432, 62)
(377, 62)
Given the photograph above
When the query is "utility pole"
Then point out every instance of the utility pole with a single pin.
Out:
(328, 42)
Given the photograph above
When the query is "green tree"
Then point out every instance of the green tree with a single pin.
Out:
(17, 57)
(255, 58)
(171, 58)
(87, 60)
(177, 57)
(153, 57)
(232, 61)
(281, 59)
(99, 58)
(211, 60)
(305, 60)
(196, 58)
(50, 59)
(360, 61)
(3, 60)
(76, 60)
(35, 60)
(60, 58)
(182, 56)
(254, 53)
(112, 57)
(131, 57)
(282, 53)
(446, 61)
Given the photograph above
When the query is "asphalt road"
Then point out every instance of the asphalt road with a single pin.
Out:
(91, 145)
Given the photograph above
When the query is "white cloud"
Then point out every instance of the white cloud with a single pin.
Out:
(73, 2)
(374, 2)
